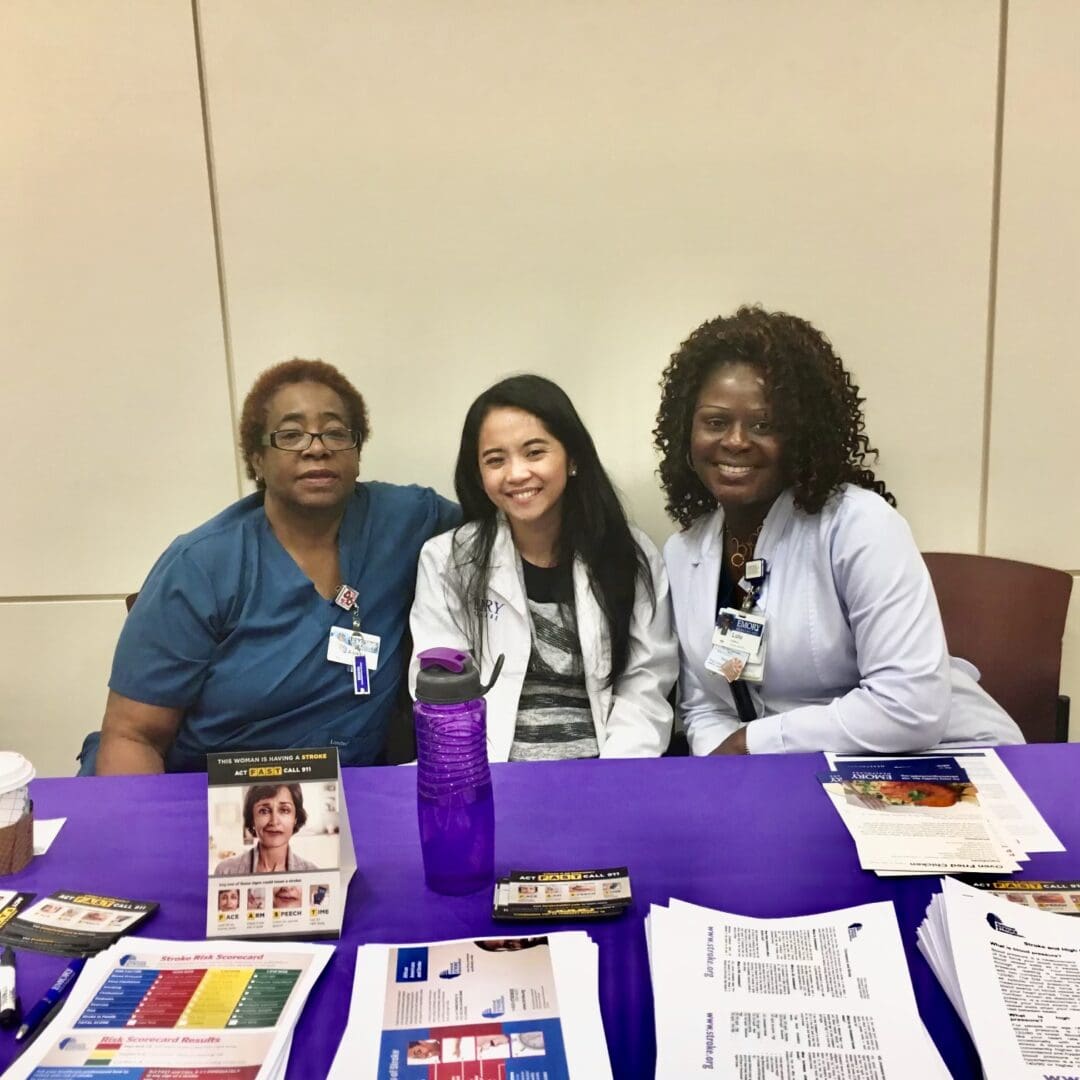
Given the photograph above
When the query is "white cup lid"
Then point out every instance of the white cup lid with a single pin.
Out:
(15, 771)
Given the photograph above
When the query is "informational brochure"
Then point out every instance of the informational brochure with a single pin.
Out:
(817, 996)
(281, 852)
(1000, 796)
(519, 1008)
(11, 903)
(562, 894)
(178, 1010)
(1061, 897)
(68, 923)
(916, 815)
(1013, 974)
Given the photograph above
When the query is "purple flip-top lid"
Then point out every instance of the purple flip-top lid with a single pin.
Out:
(449, 677)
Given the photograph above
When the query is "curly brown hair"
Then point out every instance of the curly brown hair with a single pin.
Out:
(253, 414)
(815, 404)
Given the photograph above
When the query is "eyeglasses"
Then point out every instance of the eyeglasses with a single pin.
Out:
(296, 442)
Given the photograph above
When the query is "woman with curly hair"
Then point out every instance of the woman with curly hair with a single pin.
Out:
(767, 468)
(231, 643)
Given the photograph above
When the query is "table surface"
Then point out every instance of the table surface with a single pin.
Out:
(751, 835)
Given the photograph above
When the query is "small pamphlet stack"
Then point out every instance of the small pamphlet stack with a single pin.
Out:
(69, 923)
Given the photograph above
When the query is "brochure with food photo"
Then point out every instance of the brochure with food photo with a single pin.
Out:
(905, 782)
(917, 816)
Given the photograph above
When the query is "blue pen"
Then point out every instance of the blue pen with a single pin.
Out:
(50, 998)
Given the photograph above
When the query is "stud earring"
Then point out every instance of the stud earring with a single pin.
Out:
(573, 470)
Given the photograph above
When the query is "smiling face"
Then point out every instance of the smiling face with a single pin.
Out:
(734, 446)
(312, 480)
(275, 820)
(523, 468)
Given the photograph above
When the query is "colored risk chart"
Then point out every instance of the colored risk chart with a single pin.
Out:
(213, 998)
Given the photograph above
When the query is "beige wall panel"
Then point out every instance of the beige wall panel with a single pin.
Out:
(110, 323)
(55, 676)
(1034, 512)
(435, 195)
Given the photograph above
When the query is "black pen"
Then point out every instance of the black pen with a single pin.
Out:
(9, 997)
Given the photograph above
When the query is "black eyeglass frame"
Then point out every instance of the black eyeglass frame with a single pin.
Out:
(270, 439)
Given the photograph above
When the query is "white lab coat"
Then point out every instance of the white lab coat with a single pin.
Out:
(632, 718)
(855, 651)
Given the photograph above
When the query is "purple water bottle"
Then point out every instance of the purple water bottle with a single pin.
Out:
(453, 780)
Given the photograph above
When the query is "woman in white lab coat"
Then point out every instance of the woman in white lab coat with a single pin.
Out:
(766, 467)
(547, 571)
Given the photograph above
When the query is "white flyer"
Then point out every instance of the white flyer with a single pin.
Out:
(515, 1008)
(179, 1009)
(1013, 974)
(824, 995)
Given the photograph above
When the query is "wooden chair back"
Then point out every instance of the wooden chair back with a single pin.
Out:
(1008, 619)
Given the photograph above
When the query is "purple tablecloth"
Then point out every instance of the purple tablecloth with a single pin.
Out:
(749, 835)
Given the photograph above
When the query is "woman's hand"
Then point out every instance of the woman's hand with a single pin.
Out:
(735, 743)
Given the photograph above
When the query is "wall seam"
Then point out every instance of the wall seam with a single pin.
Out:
(219, 249)
(991, 303)
(70, 598)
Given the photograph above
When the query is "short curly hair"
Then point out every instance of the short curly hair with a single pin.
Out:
(815, 404)
(257, 402)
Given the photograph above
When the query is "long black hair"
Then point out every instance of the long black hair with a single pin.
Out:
(594, 526)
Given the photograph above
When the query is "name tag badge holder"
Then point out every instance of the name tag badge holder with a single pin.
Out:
(738, 642)
(358, 651)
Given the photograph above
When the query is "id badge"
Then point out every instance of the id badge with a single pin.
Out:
(740, 631)
(730, 663)
(345, 644)
(361, 682)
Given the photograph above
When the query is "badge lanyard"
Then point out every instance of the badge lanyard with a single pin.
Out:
(754, 576)
(348, 599)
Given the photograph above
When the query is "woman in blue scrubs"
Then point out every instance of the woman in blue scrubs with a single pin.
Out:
(240, 636)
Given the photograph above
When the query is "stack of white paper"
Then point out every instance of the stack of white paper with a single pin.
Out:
(196, 1008)
(936, 814)
(532, 1002)
(815, 996)
(1013, 975)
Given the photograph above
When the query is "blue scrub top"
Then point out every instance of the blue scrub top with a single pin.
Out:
(228, 628)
